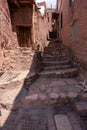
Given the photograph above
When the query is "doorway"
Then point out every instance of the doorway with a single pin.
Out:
(24, 36)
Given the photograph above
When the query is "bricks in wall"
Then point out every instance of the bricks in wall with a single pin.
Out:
(77, 11)
(7, 37)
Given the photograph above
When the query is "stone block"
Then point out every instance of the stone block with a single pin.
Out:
(62, 122)
(63, 98)
(42, 97)
(54, 96)
(72, 95)
(81, 108)
(32, 98)
(84, 96)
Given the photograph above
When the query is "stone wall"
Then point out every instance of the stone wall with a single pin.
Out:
(7, 37)
(77, 11)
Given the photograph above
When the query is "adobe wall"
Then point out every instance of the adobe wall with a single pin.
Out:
(42, 26)
(77, 11)
(7, 37)
(49, 12)
(40, 29)
(22, 17)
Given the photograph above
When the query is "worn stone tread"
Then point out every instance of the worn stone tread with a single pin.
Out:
(57, 67)
(50, 63)
(62, 122)
(81, 107)
(60, 73)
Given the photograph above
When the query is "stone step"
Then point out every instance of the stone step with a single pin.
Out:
(62, 122)
(55, 55)
(53, 45)
(53, 48)
(56, 63)
(51, 98)
(81, 108)
(54, 52)
(55, 59)
(67, 73)
(57, 67)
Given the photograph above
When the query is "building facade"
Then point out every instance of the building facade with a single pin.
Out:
(22, 17)
(41, 25)
(23, 25)
(72, 24)
(51, 22)
(8, 38)
(16, 25)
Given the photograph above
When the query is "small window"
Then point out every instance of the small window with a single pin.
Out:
(74, 30)
(71, 1)
(61, 20)
(48, 19)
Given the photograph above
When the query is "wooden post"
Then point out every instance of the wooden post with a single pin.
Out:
(32, 28)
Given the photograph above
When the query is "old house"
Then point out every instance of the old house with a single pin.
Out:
(41, 25)
(72, 23)
(21, 25)
(51, 24)
(22, 20)
(16, 25)
(55, 27)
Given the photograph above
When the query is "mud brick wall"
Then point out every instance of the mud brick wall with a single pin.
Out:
(41, 29)
(22, 17)
(7, 37)
(76, 11)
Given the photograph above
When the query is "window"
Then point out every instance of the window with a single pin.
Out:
(48, 19)
(71, 1)
(74, 30)
(61, 20)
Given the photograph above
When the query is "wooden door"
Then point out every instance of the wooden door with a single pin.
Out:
(24, 36)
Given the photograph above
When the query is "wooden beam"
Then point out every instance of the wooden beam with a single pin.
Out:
(24, 25)
(26, 2)
(14, 2)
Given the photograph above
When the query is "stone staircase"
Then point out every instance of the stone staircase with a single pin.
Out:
(49, 103)
(57, 62)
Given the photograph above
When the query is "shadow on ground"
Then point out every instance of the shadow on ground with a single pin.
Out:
(20, 116)
(9, 113)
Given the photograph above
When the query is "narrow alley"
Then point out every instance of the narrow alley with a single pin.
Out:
(43, 75)
(57, 94)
